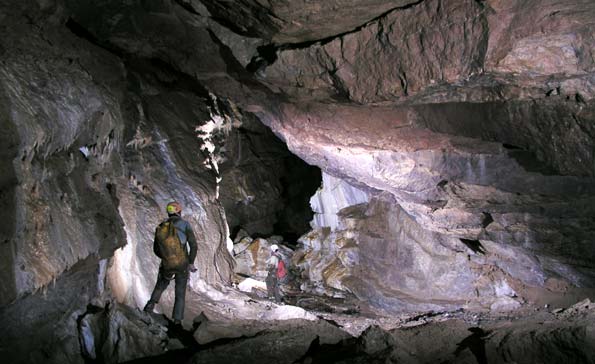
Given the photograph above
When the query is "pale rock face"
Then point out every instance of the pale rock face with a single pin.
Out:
(540, 37)
(543, 55)
(242, 245)
(251, 261)
(227, 304)
(321, 270)
(249, 284)
(386, 259)
(439, 179)
(334, 195)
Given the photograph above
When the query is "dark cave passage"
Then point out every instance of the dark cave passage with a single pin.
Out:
(299, 184)
(265, 189)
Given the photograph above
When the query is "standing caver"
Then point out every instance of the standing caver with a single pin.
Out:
(277, 274)
(173, 238)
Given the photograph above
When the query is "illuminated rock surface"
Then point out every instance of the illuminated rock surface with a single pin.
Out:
(454, 141)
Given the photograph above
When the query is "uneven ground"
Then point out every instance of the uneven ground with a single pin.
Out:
(447, 149)
(525, 336)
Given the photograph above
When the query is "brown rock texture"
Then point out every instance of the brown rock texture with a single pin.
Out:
(299, 21)
(397, 55)
(494, 146)
(440, 42)
(541, 37)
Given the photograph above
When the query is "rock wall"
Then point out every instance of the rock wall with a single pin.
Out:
(99, 137)
(486, 148)
(264, 188)
(298, 21)
(334, 195)
(470, 122)
(97, 145)
(113, 159)
(67, 132)
(382, 256)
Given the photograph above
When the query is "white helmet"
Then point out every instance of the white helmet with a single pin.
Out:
(274, 247)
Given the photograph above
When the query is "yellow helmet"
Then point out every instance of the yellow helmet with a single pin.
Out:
(173, 208)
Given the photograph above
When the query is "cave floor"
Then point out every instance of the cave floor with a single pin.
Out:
(530, 334)
(252, 329)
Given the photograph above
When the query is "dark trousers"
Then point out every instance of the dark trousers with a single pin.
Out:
(163, 279)
(273, 285)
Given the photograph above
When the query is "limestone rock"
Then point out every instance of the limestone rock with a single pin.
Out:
(50, 108)
(469, 122)
(241, 234)
(242, 245)
(92, 162)
(540, 37)
(334, 195)
(504, 304)
(263, 187)
(442, 181)
(251, 261)
(500, 157)
(119, 333)
(402, 267)
(444, 41)
(584, 307)
(432, 43)
(48, 317)
(296, 22)
(375, 340)
(209, 331)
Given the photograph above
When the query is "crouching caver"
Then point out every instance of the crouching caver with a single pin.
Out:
(277, 274)
(173, 237)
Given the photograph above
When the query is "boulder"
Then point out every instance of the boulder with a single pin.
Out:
(118, 333)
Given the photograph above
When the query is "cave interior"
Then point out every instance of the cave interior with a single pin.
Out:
(426, 168)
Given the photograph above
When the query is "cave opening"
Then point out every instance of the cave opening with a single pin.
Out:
(265, 188)
(299, 183)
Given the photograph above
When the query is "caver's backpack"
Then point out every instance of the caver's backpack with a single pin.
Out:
(169, 247)
(281, 267)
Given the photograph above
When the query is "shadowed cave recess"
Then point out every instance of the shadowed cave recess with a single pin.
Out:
(427, 169)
